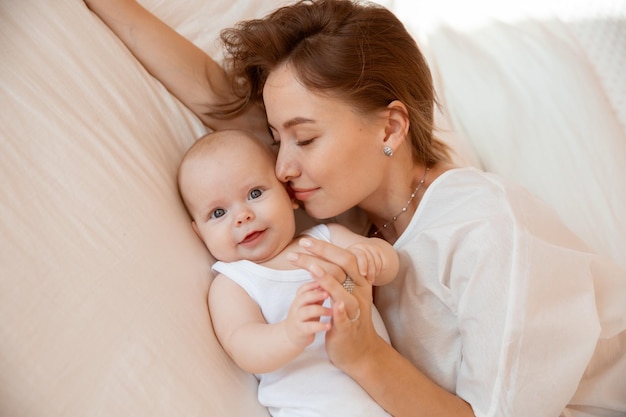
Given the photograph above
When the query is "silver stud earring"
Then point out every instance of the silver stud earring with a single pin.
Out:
(387, 151)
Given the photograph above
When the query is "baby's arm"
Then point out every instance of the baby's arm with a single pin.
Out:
(255, 345)
(377, 259)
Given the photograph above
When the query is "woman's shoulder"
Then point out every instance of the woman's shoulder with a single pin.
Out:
(468, 186)
(455, 175)
(463, 196)
(459, 197)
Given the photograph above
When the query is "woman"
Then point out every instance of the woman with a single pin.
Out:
(498, 309)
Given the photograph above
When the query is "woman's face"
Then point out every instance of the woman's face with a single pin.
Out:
(328, 152)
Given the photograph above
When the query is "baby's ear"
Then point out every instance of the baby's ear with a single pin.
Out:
(194, 226)
(294, 203)
(289, 191)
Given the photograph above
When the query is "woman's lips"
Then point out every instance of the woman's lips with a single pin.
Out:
(302, 194)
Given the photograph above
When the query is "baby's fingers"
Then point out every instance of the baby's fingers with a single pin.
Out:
(366, 262)
(362, 260)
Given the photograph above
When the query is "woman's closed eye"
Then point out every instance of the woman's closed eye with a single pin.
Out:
(276, 143)
(305, 142)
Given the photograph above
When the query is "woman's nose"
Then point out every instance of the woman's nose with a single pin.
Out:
(286, 166)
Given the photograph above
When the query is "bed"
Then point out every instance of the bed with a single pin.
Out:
(103, 284)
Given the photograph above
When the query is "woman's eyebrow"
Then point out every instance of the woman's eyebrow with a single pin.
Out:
(294, 122)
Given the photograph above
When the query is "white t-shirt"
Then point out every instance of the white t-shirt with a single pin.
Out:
(310, 385)
(498, 302)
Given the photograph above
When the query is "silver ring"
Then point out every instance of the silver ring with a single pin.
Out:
(348, 284)
(358, 314)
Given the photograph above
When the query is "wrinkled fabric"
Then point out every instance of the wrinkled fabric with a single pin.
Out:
(500, 303)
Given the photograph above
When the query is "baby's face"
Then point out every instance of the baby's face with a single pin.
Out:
(240, 209)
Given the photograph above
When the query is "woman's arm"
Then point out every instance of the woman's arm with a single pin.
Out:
(357, 349)
(394, 382)
(185, 70)
(255, 345)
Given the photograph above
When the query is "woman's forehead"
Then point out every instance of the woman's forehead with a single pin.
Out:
(288, 103)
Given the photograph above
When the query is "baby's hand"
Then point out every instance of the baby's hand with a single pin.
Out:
(303, 319)
(369, 260)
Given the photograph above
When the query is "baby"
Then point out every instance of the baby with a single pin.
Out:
(270, 317)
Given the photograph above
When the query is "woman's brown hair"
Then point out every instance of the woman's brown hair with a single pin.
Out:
(356, 51)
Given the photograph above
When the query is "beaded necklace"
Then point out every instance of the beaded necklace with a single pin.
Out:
(413, 194)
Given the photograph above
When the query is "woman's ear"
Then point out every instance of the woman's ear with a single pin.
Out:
(397, 124)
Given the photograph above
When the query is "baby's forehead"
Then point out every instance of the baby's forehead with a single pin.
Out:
(238, 149)
(235, 140)
(228, 153)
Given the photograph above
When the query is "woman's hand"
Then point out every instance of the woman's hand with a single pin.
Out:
(352, 333)
(355, 347)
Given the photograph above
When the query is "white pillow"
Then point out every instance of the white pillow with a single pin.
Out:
(527, 98)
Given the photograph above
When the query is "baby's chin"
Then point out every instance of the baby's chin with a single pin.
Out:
(257, 257)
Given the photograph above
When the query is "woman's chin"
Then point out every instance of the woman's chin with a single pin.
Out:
(322, 212)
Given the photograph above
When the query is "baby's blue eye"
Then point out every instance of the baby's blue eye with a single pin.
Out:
(256, 193)
(217, 213)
